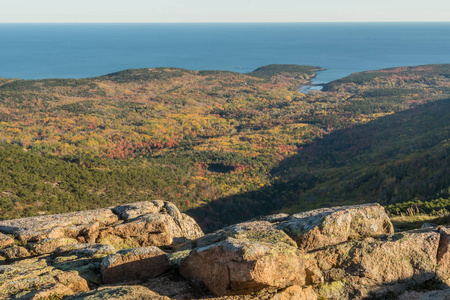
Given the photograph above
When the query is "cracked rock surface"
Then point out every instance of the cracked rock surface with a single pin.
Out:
(150, 250)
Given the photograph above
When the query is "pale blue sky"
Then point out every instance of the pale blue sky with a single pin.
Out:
(26, 11)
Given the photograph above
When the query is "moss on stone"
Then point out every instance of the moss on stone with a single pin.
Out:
(266, 236)
(88, 268)
(176, 257)
(333, 290)
(118, 242)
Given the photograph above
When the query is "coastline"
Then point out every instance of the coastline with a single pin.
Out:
(308, 88)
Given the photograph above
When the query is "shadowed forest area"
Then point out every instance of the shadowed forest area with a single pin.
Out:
(393, 159)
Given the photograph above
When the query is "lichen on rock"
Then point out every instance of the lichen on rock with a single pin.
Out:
(237, 266)
(404, 259)
(332, 253)
(330, 226)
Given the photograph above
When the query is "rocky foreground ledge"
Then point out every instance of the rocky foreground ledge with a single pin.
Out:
(149, 250)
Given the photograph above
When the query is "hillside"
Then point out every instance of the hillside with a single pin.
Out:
(393, 159)
(223, 146)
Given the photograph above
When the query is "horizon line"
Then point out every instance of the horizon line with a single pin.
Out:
(230, 22)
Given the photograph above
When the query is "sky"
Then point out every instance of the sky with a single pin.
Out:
(160, 11)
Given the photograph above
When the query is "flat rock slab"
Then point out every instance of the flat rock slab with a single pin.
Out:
(88, 269)
(134, 264)
(258, 231)
(330, 226)
(86, 250)
(85, 259)
(56, 226)
(234, 266)
(275, 218)
(133, 210)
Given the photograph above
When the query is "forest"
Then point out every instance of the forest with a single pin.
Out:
(224, 146)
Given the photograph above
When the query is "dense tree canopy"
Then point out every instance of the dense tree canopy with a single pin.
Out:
(222, 145)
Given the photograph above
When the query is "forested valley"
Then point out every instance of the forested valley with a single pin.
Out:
(225, 146)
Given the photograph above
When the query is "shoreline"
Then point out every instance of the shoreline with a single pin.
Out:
(311, 87)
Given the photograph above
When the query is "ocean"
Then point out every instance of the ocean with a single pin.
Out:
(35, 51)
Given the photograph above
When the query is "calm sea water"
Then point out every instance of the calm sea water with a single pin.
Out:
(31, 51)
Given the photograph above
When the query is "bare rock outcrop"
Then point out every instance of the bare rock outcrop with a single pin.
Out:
(86, 250)
(147, 223)
(35, 277)
(85, 259)
(49, 245)
(161, 225)
(146, 230)
(15, 252)
(333, 253)
(259, 231)
(443, 256)
(330, 226)
(134, 264)
(5, 240)
(53, 248)
(357, 268)
(133, 210)
(245, 258)
(57, 226)
(238, 266)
